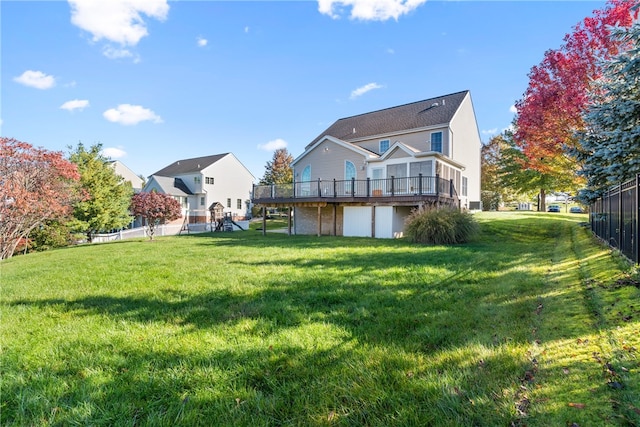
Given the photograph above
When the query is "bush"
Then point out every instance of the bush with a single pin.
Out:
(444, 226)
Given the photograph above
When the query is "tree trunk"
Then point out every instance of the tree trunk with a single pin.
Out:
(542, 205)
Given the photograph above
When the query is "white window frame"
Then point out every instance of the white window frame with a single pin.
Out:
(348, 176)
(433, 134)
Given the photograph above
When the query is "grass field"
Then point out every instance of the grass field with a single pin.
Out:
(533, 323)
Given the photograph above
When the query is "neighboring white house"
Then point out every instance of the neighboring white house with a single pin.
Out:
(364, 174)
(128, 175)
(200, 184)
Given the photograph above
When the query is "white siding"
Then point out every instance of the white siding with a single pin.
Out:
(231, 181)
(357, 221)
(466, 146)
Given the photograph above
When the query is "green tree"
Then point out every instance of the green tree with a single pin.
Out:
(278, 170)
(107, 196)
(522, 180)
(609, 149)
(494, 192)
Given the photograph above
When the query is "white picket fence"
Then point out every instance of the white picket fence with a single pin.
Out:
(161, 230)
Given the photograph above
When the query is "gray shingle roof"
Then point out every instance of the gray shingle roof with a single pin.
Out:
(172, 186)
(189, 165)
(403, 117)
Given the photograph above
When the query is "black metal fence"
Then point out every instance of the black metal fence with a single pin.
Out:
(614, 218)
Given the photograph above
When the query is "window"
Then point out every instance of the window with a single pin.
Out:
(384, 145)
(182, 201)
(436, 142)
(399, 173)
(349, 173)
(239, 204)
(197, 179)
(208, 180)
(464, 186)
(201, 201)
(426, 169)
(228, 203)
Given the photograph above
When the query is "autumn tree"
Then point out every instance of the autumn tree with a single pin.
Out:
(278, 170)
(108, 195)
(36, 185)
(609, 146)
(156, 208)
(550, 112)
(493, 192)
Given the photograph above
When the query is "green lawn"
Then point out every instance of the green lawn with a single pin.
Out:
(531, 324)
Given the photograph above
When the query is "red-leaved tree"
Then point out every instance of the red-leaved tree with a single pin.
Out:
(156, 208)
(550, 112)
(36, 185)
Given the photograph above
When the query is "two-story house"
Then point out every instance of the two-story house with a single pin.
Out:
(364, 174)
(203, 184)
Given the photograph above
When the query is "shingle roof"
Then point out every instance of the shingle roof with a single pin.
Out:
(189, 165)
(403, 117)
(172, 186)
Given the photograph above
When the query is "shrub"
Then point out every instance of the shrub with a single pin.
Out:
(443, 226)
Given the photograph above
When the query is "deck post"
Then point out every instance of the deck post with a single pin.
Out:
(319, 190)
(264, 220)
(420, 184)
(393, 192)
(451, 188)
(353, 187)
(335, 188)
(289, 220)
(335, 219)
(319, 220)
(373, 221)
(437, 185)
(368, 187)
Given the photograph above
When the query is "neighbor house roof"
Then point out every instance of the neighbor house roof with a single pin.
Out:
(184, 166)
(172, 186)
(420, 114)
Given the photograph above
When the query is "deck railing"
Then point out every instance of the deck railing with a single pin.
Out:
(357, 188)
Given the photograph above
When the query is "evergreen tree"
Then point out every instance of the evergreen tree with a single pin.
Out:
(610, 146)
(278, 170)
(107, 195)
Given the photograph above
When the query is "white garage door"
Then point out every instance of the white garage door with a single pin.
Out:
(357, 221)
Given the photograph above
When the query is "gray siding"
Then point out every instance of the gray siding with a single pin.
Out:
(420, 140)
(329, 164)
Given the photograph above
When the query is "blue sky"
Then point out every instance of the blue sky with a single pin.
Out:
(155, 82)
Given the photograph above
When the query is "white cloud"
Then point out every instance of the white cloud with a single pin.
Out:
(117, 53)
(490, 131)
(273, 145)
(369, 10)
(127, 114)
(364, 89)
(246, 29)
(117, 21)
(513, 109)
(36, 79)
(76, 104)
(114, 153)
(202, 42)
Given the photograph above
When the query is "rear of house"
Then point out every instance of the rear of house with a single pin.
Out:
(364, 174)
